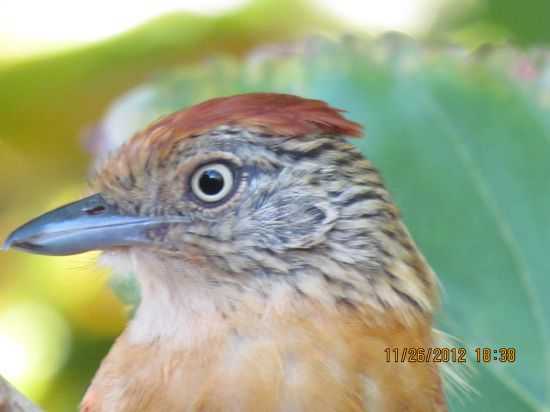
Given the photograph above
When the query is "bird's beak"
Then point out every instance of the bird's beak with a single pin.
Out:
(88, 224)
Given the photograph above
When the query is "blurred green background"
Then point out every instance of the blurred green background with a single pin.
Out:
(461, 133)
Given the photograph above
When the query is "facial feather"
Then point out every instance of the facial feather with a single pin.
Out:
(307, 209)
(274, 268)
(297, 281)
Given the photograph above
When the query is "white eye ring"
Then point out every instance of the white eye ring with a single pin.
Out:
(212, 182)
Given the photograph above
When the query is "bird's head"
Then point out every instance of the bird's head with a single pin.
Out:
(243, 190)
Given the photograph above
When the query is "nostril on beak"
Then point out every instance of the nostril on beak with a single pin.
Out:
(96, 210)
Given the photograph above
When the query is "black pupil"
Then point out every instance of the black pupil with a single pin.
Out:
(211, 182)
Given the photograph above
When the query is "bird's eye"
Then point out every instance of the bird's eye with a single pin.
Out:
(212, 182)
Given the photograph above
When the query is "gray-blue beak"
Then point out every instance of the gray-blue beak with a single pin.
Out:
(88, 224)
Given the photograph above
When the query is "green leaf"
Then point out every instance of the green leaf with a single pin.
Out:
(463, 143)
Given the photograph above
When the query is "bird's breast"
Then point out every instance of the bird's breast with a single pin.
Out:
(299, 364)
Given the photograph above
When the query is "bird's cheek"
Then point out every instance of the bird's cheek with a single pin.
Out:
(195, 256)
(158, 234)
(186, 254)
(174, 239)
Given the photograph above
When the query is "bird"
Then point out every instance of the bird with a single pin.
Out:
(274, 267)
